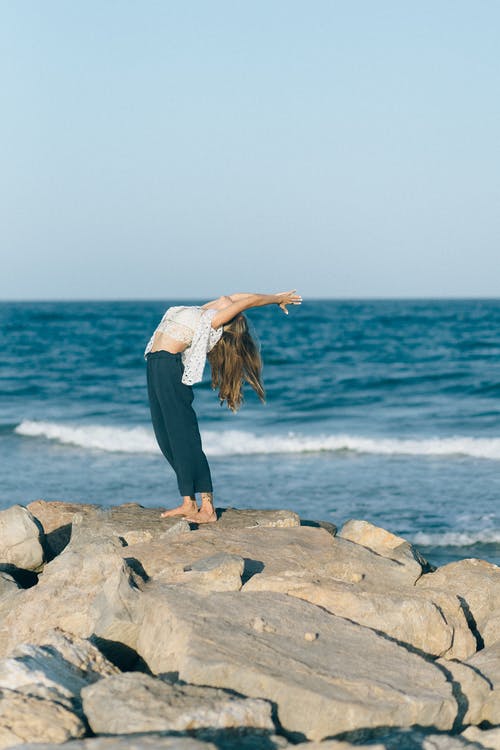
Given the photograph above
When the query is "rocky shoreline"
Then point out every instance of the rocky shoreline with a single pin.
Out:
(120, 629)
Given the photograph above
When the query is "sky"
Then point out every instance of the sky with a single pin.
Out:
(156, 149)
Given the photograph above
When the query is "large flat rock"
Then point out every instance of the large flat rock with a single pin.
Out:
(326, 674)
(134, 703)
(130, 522)
(429, 620)
(134, 523)
(155, 741)
(135, 742)
(275, 551)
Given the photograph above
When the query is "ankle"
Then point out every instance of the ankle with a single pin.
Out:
(207, 501)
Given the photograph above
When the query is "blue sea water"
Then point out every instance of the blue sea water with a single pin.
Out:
(383, 410)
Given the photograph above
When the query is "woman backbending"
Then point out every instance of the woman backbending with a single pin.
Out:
(175, 358)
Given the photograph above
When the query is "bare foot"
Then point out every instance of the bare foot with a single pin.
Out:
(186, 509)
(203, 516)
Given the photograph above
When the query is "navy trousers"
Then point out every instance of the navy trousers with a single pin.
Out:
(174, 422)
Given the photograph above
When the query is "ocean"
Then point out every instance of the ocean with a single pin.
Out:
(385, 410)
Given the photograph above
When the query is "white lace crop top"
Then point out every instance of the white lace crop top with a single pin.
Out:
(193, 326)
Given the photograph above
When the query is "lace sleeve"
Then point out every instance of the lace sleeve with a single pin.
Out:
(204, 339)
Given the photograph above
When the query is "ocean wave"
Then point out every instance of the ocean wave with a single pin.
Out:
(240, 442)
(456, 538)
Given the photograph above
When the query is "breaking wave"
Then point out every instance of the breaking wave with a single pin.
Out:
(240, 442)
(456, 538)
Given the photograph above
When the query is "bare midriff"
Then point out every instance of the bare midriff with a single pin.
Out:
(166, 343)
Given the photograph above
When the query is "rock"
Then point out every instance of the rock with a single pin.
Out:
(131, 522)
(327, 525)
(225, 740)
(402, 739)
(136, 742)
(230, 518)
(219, 572)
(8, 585)
(56, 519)
(80, 653)
(477, 584)
(472, 691)
(55, 671)
(385, 543)
(489, 739)
(487, 663)
(21, 539)
(116, 614)
(24, 718)
(433, 622)
(40, 689)
(490, 629)
(133, 703)
(347, 678)
(274, 551)
(64, 595)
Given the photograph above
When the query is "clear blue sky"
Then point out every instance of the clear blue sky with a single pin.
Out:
(156, 149)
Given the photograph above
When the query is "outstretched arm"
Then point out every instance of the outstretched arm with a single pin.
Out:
(244, 301)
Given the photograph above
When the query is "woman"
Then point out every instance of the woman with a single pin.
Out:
(175, 356)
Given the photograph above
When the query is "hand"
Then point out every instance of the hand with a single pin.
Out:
(288, 298)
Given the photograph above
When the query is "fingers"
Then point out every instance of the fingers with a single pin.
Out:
(289, 298)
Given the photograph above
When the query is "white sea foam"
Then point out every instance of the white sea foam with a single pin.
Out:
(456, 538)
(239, 442)
(100, 437)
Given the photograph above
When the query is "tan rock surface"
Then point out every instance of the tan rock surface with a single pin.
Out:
(135, 703)
(21, 539)
(64, 595)
(274, 551)
(489, 739)
(56, 518)
(219, 572)
(135, 523)
(384, 543)
(473, 690)
(8, 585)
(41, 685)
(343, 678)
(25, 718)
(138, 742)
(42, 671)
(130, 521)
(487, 663)
(232, 518)
(429, 620)
(477, 583)
(409, 739)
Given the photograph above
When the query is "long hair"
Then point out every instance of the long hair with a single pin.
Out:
(235, 359)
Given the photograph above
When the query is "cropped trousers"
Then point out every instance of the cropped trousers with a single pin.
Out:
(174, 422)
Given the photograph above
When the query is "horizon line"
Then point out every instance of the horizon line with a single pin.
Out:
(376, 298)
